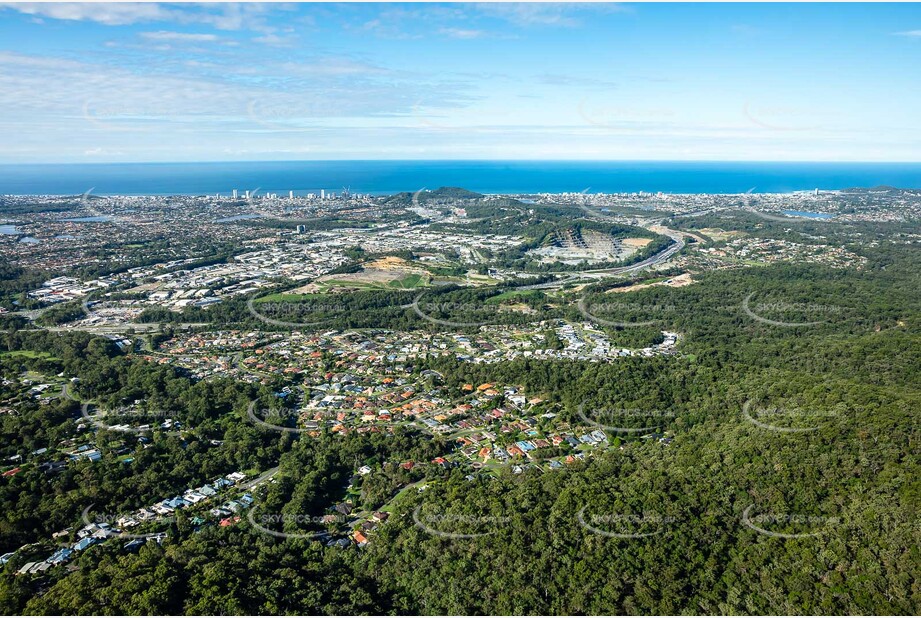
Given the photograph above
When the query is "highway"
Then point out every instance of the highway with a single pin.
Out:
(658, 258)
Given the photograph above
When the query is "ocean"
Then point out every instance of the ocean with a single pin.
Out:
(385, 177)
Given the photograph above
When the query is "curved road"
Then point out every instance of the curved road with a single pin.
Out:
(654, 260)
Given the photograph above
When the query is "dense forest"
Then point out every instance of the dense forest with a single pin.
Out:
(730, 517)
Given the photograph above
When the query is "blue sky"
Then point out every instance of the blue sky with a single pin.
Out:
(211, 82)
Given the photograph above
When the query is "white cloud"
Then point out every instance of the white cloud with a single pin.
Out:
(463, 21)
(460, 33)
(557, 79)
(165, 35)
(561, 14)
(273, 40)
(329, 67)
(110, 14)
(59, 99)
(222, 16)
(205, 96)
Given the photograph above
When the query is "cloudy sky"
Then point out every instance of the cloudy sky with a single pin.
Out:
(211, 82)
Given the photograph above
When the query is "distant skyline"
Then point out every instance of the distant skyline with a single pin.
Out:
(85, 83)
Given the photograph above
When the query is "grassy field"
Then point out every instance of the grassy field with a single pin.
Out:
(283, 297)
(326, 288)
(29, 354)
(408, 282)
(512, 294)
(358, 285)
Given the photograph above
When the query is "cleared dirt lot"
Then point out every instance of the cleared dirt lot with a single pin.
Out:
(388, 273)
(637, 242)
(674, 282)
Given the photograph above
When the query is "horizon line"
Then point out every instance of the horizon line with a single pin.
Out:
(470, 160)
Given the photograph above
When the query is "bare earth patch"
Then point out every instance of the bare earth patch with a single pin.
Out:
(377, 274)
(637, 242)
(391, 262)
(675, 282)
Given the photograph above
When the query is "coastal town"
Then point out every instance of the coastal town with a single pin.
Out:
(290, 285)
(321, 260)
(460, 308)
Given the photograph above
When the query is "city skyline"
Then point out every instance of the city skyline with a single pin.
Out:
(226, 82)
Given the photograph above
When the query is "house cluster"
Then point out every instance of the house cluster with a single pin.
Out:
(771, 250)
(375, 352)
(191, 497)
(160, 511)
(359, 529)
(39, 392)
(71, 452)
(361, 534)
(489, 423)
(518, 431)
(583, 341)
(869, 205)
(344, 382)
